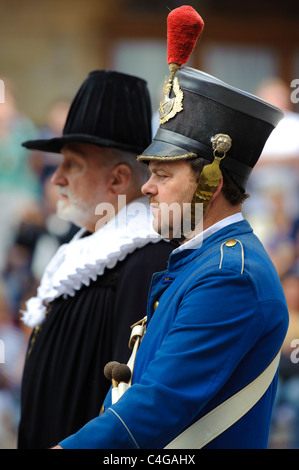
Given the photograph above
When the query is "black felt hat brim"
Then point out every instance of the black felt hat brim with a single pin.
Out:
(55, 145)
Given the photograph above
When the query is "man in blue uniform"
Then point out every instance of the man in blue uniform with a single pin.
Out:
(217, 316)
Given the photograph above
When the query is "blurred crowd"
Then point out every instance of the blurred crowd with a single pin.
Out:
(273, 211)
(30, 233)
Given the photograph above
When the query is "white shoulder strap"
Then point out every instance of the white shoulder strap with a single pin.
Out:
(227, 413)
(220, 418)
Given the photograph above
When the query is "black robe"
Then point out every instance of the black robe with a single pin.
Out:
(63, 384)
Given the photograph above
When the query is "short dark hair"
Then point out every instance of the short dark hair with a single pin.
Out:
(231, 191)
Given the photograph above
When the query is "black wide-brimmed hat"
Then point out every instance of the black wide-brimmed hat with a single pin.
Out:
(202, 107)
(111, 109)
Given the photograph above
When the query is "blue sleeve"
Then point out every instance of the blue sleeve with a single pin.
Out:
(216, 324)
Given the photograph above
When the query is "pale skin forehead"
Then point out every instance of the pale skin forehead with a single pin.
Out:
(171, 166)
(90, 153)
(179, 169)
(89, 156)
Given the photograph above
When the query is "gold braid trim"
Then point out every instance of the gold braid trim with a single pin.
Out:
(185, 156)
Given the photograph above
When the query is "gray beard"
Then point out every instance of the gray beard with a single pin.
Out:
(72, 213)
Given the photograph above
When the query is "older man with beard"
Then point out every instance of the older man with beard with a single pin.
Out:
(96, 286)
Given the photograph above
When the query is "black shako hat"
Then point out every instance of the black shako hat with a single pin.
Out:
(199, 108)
(111, 109)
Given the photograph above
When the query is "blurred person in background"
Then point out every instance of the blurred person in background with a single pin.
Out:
(35, 232)
(285, 424)
(38, 231)
(19, 183)
(96, 286)
(283, 144)
(274, 213)
(12, 349)
(274, 187)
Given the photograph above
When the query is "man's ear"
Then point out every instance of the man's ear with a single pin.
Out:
(119, 178)
(217, 190)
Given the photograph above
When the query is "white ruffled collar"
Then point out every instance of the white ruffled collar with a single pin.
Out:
(80, 261)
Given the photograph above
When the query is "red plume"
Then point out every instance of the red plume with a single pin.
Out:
(184, 26)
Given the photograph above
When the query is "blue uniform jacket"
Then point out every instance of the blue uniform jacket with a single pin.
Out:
(221, 319)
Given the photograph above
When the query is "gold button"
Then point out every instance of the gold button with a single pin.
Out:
(156, 304)
(231, 242)
(102, 409)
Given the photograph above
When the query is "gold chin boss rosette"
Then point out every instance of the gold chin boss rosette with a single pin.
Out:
(211, 174)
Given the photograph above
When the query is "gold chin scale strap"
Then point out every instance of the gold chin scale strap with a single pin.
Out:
(211, 174)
